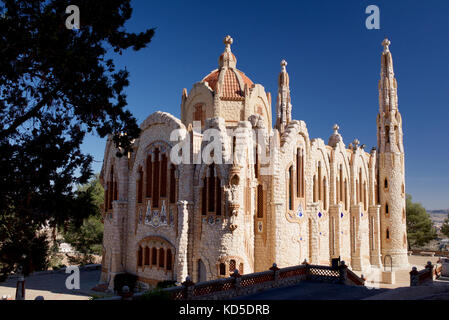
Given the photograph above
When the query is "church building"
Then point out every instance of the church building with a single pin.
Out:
(278, 195)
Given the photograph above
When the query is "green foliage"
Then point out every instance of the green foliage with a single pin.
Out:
(21, 247)
(445, 227)
(87, 238)
(420, 230)
(56, 86)
(155, 295)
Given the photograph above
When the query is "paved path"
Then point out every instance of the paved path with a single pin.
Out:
(315, 291)
(52, 286)
(437, 291)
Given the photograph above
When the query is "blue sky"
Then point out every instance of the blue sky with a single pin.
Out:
(333, 62)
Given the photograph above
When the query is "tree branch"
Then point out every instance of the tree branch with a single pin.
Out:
(27, 116)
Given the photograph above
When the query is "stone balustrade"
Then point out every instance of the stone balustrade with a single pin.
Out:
(241, 285)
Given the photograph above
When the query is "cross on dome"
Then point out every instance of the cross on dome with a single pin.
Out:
(386, 44)
(227, 58)
(336, 128)
(228, 41)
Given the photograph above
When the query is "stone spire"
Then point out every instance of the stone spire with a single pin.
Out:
(284, 106)
(389, 119)
(387, 84)
(390, 162)
(227, 58)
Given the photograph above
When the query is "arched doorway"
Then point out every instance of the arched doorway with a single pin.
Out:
(202, 276)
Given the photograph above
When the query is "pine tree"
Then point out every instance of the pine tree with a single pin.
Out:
(420, 230)
(56, 86)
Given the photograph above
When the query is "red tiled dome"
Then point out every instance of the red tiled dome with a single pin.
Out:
(231, 87)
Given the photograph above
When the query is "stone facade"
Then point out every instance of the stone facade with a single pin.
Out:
(272, 195)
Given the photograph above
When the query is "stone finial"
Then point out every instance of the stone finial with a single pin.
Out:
(227, 58)
(228, 41)
(283, 65)
(356, 143)
(386, 44)
(336, 128)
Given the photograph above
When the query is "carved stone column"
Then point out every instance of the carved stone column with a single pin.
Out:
(374, 234)
(356, 259)
(181, 260)
(335, 230)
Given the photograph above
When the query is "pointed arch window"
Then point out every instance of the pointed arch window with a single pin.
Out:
(324, 193)
(163, 192)
(172, 184)
(161, 258)
(211, 201)
(115, 191)
(338, 191)
(387, 209)
(365, 196)
(340, 186)
(256, 163)
(300, 173)
(211, 189)
(388, 234)
(315, 199)
(149, 174)
(160, 181)
(260, 202)
(147, 256)
(199, 114)
(169, 260)
(204, 198)
(156, 166)
(153, 256)
(232, 265)
(139, 257)
(110, 189)
(387, 134)
(222, 269)
(290, 188)
(139, 185)
(360, 185)
(346, 195)
(106, 197)
(320, 191)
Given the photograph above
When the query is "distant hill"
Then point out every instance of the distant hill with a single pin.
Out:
(440, 211)
(438, 216)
